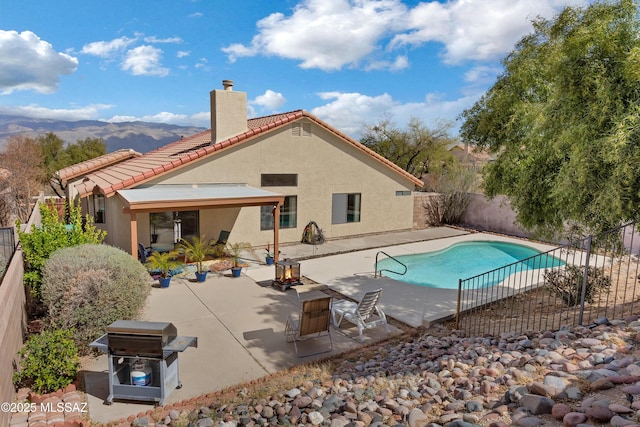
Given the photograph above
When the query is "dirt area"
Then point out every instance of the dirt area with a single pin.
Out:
(540, 309)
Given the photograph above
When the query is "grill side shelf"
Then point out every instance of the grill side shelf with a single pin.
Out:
(180, 343)
(101, 344)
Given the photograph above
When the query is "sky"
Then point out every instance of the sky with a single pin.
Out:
(351, 63)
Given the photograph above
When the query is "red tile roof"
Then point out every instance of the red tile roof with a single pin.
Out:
(88, 166)
(186, 150)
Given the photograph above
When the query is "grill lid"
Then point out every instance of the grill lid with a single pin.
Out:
(165, 330)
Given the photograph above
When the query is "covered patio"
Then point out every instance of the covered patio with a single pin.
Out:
(187, 197)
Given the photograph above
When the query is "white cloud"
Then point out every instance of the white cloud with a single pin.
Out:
(324, 34)
(198, 119)
(475, 29)
(332, 34)
(29, 63)
(196, 15)
(154, 39)
(106, 49)
(144, 61)
(351, 112)
(270, 100)
(183, 53)
(89, 112)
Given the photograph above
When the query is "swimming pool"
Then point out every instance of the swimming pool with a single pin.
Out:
(443, 268)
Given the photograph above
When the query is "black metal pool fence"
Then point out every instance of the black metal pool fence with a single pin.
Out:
(575, 284)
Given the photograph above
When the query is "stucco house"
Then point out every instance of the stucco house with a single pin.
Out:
(263, 180)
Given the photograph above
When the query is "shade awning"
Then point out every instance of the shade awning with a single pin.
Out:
(163, 197)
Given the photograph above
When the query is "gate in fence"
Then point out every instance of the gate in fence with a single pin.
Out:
(575, 284)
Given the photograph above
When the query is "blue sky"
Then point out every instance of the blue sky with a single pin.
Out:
(349, 62)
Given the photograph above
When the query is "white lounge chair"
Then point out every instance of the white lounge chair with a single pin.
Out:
(365, 315)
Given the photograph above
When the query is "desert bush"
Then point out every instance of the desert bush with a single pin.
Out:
(567, 283)
(451, 187)
(87, 287)
(48, 361)
(40, 242)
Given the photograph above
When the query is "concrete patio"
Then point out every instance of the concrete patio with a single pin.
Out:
(240, 328)
(240, 322)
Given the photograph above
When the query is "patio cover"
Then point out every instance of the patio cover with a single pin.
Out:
(181, 197)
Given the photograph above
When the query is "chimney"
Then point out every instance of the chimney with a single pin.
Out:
(228, 112)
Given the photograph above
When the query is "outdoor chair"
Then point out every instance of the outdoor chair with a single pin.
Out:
(223, 237)
(143, 253)
(314, 321)
(365, 315)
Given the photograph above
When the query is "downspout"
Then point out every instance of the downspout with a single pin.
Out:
(276, 231)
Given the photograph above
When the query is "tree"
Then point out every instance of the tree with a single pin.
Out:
(564, 120)
(417, 149)
(57, 156)
(39, 243)
(24, 176)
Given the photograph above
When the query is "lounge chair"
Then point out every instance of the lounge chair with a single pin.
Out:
(365, 315)
(314, 321)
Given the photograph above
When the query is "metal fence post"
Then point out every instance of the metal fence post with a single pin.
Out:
(458, 304)
(585, 279)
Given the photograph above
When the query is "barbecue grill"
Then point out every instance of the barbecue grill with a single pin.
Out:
(143, 359)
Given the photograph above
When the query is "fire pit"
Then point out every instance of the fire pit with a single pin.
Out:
(287, 274)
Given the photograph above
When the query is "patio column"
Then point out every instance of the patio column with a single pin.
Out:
(134, 234)
(276, 231)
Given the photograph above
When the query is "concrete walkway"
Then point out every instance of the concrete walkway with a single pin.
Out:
(240, 322)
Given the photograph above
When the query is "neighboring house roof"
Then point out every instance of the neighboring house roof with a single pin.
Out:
(92, 165)
(155, 163)
(472, 154)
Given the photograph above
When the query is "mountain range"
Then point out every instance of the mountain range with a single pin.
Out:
(140, 136)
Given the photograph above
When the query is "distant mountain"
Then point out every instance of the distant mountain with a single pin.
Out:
(140, 136)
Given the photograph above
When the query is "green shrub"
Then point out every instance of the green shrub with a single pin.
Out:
(88, 287)
(49, 361)
(567, 283)
(40, 242)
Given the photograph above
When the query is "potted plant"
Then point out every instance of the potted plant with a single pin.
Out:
(234, 250)
(196, 251)
(158, 220)
(163, 263)
(269, 256)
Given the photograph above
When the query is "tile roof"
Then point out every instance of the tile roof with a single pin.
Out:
(88, 166)
(140, 169)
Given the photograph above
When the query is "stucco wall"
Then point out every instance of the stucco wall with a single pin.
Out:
(493, 215)
(325, 165)
(13, 321)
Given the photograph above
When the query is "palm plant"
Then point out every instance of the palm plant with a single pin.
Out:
(196, 251)
(235, 249)
(163, 262)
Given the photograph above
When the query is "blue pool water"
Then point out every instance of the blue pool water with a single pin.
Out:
(443, 268)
